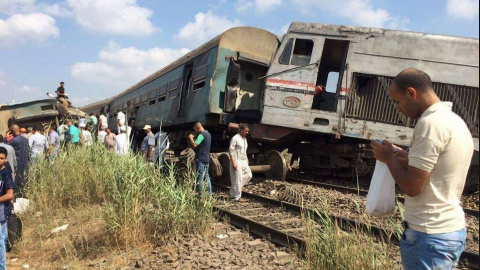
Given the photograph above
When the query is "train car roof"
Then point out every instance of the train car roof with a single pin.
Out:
(26, 104)
(345, 30)
(95, 104)
(253, 43)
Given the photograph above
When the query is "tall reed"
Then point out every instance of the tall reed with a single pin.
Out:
(139, 203)
(328, 247)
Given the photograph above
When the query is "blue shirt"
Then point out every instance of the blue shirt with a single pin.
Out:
(203, 148)
(6, 183)
(74, 134)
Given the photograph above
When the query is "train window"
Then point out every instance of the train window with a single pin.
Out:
(332, 81)
(173, 88)
(144, 99)
(285, 57)
(162, 93)
(153, 96)
(302, 52)
(248, 76)
(199, 77)
(137, 103)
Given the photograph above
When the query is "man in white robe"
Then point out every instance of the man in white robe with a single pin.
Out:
(240, 173)
(122, 142)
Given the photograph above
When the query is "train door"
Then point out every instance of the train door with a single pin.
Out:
(330, 74)
(244, 90)
(186, 85)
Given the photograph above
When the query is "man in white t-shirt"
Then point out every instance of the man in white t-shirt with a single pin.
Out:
(432, 175)
(120, 120)
(101, 136)
(103, 122)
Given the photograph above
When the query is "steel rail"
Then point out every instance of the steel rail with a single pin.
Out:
(363, 192)
(273, 235)
(347, 224)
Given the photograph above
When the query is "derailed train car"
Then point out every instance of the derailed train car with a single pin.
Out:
(195, 87)
(357, 65)
(40, 113)
(248, 75)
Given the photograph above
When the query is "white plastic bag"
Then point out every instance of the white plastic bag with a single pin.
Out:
(381, 194)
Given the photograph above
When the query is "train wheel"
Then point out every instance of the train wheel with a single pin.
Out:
(278, 166)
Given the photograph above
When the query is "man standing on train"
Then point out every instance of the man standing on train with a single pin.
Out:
(201, 143)
(240, 173)
(432, 175)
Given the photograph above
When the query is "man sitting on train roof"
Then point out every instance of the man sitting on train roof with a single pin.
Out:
(61, 96)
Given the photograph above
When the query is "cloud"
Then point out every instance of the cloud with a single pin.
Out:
(206, 26)
(266, 5)
(360, 12)
(261, 6)
(19, 94)
(11, 7)
(57, 10)
(463, 9)
(119, 17)
(242, 6)
(19, 29)
(120, 68)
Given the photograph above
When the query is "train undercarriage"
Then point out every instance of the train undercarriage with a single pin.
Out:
(320, 155)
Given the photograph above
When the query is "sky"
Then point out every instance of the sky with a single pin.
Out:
(101, 47)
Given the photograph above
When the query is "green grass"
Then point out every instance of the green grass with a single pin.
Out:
(328, 247)
(138, 203)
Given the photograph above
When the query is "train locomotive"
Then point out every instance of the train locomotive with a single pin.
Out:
(249, 75)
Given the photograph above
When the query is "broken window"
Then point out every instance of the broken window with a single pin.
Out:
(302, 52)
(330, 72)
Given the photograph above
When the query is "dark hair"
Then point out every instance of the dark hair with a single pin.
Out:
(1, 138)
(414, 78)
(197, 124)
(35, 128)
(243, 126)
(62, 82)
(3, 150)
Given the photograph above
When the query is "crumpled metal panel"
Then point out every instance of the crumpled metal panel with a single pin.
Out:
(29, 111)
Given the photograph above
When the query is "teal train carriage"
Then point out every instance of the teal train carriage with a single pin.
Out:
(215, 84)
(96, 108)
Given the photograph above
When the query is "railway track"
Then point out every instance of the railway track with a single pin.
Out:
(266, 217)
(363, 192)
